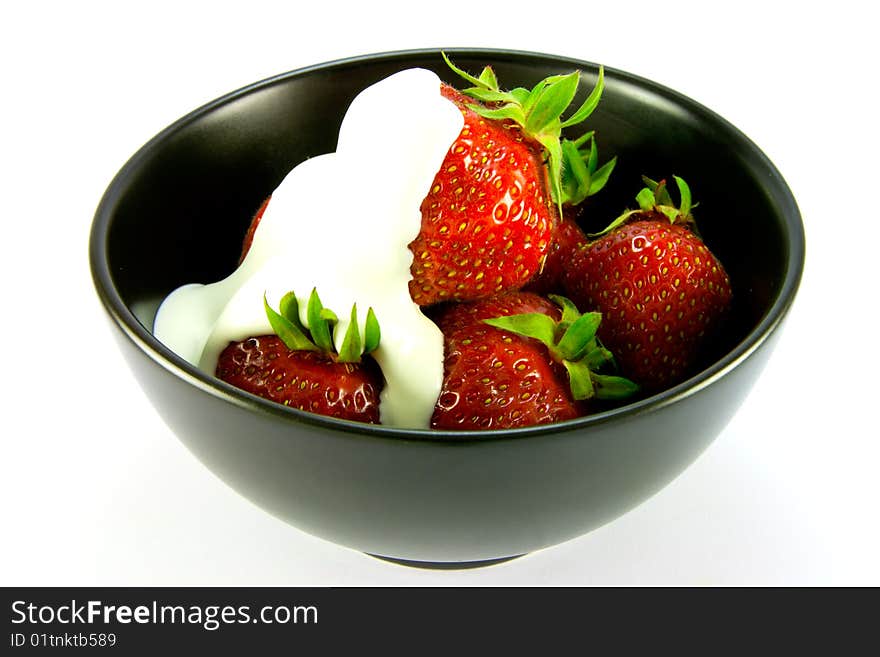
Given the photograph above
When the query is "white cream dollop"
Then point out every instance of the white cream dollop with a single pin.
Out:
(341, 223)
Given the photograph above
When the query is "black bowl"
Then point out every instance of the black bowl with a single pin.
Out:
(176, 213)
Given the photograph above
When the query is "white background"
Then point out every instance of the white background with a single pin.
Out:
(95, 488)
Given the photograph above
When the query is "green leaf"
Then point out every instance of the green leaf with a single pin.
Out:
(578, 337)
(531, 325)
(291, 334)
(533, 95)
(576, 176)
(509, 111)
(661, 195)
(593, 157)
(372, 334)
(554, 163)
(289, 308)
(318, 323)
(685, 194)
(584, 138)
(600, 177)
(580, 379)
(551, 103)
(613, 387)
(582, 177)
(519, 95)
(651, 184)
(570, 313)
(619, 221)
(487, 77)
(590, 104)
(461, 73)
(597, 356)
(645, 199)
(350, 350)
(489, 95)
(670, 212)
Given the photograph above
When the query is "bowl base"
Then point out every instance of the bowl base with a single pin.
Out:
(445, 565)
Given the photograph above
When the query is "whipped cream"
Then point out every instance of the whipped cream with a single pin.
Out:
(341, 223)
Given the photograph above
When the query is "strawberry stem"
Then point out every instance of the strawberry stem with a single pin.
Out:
(372, 333)
(574, 174)
(572, 342)
(316, 335)
(289, 307)
(290, 331)
(350, 350)
(655, 198)
(320, 322)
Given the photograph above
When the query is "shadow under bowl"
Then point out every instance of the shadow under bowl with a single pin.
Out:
(176, 214)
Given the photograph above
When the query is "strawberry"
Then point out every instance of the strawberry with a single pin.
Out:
(582, 177)
(567, 239)
(306, 372)
(488, 219)
(660, 290)
(252, 228)
(516, 359)
(308, 380)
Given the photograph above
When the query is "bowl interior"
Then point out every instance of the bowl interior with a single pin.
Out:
(177, 212)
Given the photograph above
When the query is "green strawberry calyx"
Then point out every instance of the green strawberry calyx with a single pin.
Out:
(317, 333)
(574, 169)
(654, 198)
(572, 341)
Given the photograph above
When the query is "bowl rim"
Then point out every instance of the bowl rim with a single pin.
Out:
(122, 316)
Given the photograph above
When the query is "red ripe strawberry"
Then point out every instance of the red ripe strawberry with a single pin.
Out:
(488, 219)
(516, 360)
(660, 290)
(568, 238)
(305, 372)
(308, 380)
(252, 228)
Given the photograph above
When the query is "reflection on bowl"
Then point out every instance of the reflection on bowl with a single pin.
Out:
(176, 213)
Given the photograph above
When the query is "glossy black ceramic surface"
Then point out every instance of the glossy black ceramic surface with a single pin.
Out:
(176, 214)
